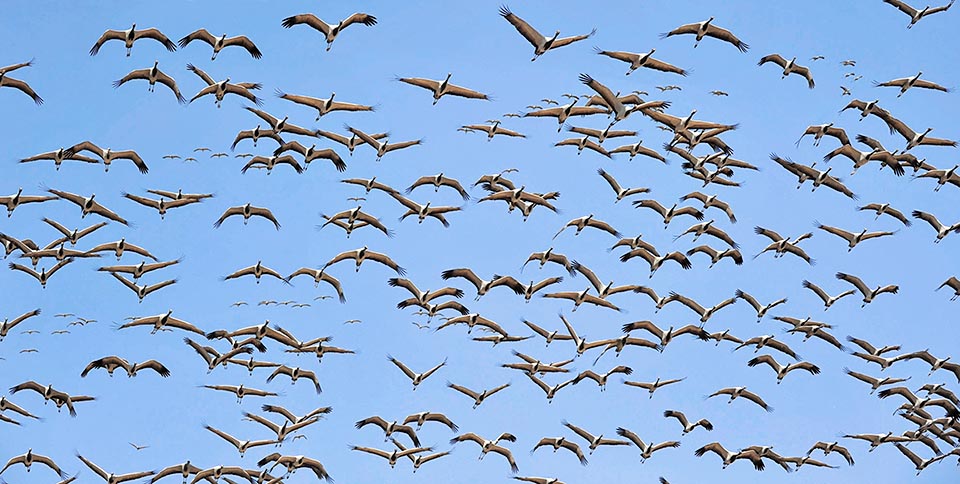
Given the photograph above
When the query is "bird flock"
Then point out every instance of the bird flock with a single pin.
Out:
(627, 334)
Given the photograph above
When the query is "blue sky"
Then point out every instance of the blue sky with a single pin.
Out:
(428, 39)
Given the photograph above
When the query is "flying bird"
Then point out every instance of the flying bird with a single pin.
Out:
(540, 43)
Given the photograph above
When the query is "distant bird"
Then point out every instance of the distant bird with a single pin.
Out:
(324, 106)
(442, 88)
(219, 43)
(916, 15)
(735, 392)
(706, 28)
(130, 36)
(637, 61)
(152, 75)
(789, 67)
(942, 230)
(719, 93)
(845, 91)
(330, 31)
(540, 43)
(646, 450)
(852, 238)
(247, 211)
(416, 378)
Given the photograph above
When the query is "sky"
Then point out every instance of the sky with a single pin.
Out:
(482, 51)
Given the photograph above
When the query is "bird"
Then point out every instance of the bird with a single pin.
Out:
(886, 209)
(706, 28)
(58, 156)
(241, 391)
(218, 43)
(384, 147)
(73, 236)
(943, 177)
(934, 362)
(88, 205)
(708, 228)
(329, 31)
(687, 425)
(494, 128)
(111, 478)
(952, 283)
(247, 211)
(295, 374)
(646, 450)
(827, 299)
(442, 88)
(731, 457)
(905, 83)
(9, 324)
(152, 75)
(581, 223)
(324, 106)
(601, 380)
(319, 276)
(735, 392)
(11, 202)
(540, 43)
(581, 297)
(561, 443)
(719, 93)
(638, 149)
(221, 89)
(562, 113)
(393, 456)
(783, 370)
(711, 201)
(653, 387)
(416, 378)
(44, 275)
(439, 180)
(294, 462)
(759, 308)
(257, 270)
(919, 463)
(160, 322)
(868, 294)
(768, 341)
(852, 238)
(255, 134)
(716, 256)
(144, 290)
(112, 363)
(478, 397)
(656, 261)
(916, 15)
(490, 446)
(162, 205)
(482, 286)
(280, 125)
(612, 101)
(820, 130)
(875, 383)
(362, 254)
(269, 162)
(942, 230)
(582, 143)
(29, 458)
(242, 445)
(637, 61)
(781, 245)
(130, 36)
(618, 190)
(789, 67)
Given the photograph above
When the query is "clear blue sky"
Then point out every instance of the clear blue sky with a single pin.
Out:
(428, 39)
